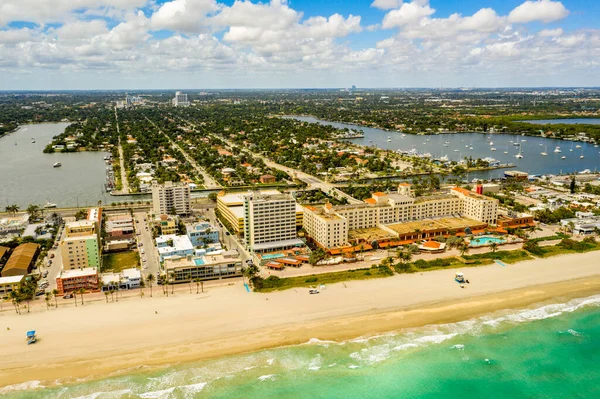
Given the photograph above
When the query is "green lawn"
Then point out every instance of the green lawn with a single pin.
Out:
(118, 261)
(274, 283)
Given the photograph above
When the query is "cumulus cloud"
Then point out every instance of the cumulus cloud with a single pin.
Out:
(248, 39)
(407, 13)
(539, 10)
(184, 15)
(42, 12)
(386, 4)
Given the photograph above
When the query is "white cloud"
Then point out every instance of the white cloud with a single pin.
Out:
(46, 11)
(407, 13)
(551, 32)
(184, 15)
(540, 10)
(386, 4)
(78, 30)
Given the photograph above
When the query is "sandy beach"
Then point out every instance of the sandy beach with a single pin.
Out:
(100, 339)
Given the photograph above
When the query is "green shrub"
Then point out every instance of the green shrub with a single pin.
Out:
(311, 280)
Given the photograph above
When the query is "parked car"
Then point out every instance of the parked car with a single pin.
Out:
(68, 296)
(40, 293)
(313, 291)
(51, 256)
(45, 274)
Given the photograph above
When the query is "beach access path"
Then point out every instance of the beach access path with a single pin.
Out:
(99, 338)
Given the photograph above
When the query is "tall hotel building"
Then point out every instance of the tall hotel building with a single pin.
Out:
(270, 222)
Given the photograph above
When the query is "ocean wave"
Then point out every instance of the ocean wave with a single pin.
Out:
(110, 394)
(266, 377)
(187, 390)
(24, 386)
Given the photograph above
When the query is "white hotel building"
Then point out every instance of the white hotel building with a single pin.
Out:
(270, 222)
(329, 225)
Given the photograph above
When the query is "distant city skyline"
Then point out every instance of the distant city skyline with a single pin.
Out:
(210, 44)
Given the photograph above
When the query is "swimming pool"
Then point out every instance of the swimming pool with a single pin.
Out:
(485, 240)
(272, 256)
(198, 261)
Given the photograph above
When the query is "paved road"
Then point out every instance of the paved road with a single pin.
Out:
(209, 182)
(152, 264)
(124, 182)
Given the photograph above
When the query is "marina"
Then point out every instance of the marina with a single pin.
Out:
(505, 149)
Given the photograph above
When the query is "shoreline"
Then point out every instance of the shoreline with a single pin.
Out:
(150, 333)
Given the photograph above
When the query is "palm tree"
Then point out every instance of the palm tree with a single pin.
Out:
(189, 279)
(47, 297)
(150, 279)
(75, 297)
(463, 248)
(55, 293)
(494, 246)
(197, 281)
(106, 295)
(81, 292)
(12, 209)
(142, 285)
(33, 211)
(172, 277)
(202, 285)
(16, 300)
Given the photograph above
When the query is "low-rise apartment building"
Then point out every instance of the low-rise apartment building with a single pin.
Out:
(202, 234)
(166, 224)
(224, 265)
(21, 260)
(74, 280)
(173, 245)
(9, 284)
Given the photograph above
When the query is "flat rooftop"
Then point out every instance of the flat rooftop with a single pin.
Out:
(88, 271)
(448, 223)
(436, 197)
(370, 234)
(11, 279)
(234, 199)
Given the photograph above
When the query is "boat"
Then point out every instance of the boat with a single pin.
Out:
(519, 155)
(446, 145)
(444, 158)
(49, 205)
(545, 151)
(557, 149)
(33, 141)
(57, 165)
(456, 150)
(493, 149)
(563, 157)
(571, 147)
(389, 140)
(491, 143)
(577, 146)
(581, 156)
(31, 338)
(471, 147)
(506, 152)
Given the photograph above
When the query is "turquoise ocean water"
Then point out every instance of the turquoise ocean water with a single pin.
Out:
(549, 351)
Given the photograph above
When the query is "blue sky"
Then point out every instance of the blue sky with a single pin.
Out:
(297, 43)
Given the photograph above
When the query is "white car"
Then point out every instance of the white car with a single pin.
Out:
(313, 291)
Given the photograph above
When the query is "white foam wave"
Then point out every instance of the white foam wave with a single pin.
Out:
(353, 366)
(574, 333)
(460, 347)
(404, 347)
(187, 390)
(22, 386)
(267, 377)
(111, 394)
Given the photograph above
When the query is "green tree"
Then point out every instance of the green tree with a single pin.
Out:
(150, 279)
(55, 294)
(80, 214)
(33, 211)
(573, 185)
(47, 297)
(494, 246)
(81, 292)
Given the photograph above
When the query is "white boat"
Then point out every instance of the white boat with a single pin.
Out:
(493, 149)
(581, 156)
(444, 158)
(456, 150)
(571, 147)
(491, 143)
(519, 155)
(563, 157)
(33, 141)
(57, 165)
(446, 145)
(470, 148)
(389, 140)
(545, 151)
(577, 146)
(557, 149)
(49, 205)
(506, 152)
